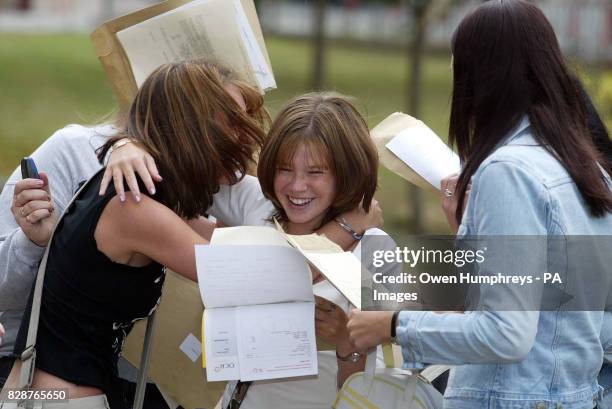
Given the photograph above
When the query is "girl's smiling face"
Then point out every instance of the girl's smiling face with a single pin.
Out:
(305, 188)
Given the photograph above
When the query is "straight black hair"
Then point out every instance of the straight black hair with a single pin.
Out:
(506, 64)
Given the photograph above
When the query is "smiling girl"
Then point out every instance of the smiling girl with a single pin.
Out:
(318, 163)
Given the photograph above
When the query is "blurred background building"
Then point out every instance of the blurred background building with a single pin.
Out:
(392, 55)
(584, 27)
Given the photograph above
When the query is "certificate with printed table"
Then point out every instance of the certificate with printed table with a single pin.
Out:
(259, 318)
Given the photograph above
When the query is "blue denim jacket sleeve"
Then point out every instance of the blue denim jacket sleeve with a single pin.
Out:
(606, 336)
(505, 200)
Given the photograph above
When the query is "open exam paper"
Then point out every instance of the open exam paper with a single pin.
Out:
(259, 315)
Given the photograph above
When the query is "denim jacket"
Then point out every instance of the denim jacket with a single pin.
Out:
(516, 359)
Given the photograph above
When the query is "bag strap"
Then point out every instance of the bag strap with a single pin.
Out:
(387, 350)
(28, 356)
(433, 371)
(370, 372)
(370, 369)
(238, 394)
(145, 358)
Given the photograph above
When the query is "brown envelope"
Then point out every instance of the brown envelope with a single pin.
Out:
(178, 315)
(114, 60)
(382, 135)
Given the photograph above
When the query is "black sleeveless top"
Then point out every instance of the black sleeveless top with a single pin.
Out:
(89, 303)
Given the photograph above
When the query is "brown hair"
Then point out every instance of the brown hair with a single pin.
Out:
(195, 131)
(329, 126)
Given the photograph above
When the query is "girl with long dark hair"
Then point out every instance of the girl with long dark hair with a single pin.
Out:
(519, 122)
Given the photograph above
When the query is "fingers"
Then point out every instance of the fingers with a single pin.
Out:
(46, 186)
(130, 177)
(152, 167)
(324, 305)
(27, 184)
(32, 200)
(36, 206)
(145, 176)
(449, 179)
(38, 215)
(108, 176)
(21, 199)
(118, 182)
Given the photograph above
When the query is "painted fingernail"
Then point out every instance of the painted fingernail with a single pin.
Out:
(152, 190)
(122, 197)
(137, 198)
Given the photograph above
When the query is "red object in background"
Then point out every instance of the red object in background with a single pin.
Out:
(351, 4)
(23, 4)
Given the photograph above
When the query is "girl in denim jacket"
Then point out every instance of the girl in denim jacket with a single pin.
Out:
(519, 123)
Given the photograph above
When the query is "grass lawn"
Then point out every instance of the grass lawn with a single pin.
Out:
(48, 81)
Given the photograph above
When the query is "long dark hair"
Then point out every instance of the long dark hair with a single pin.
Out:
(507, 63)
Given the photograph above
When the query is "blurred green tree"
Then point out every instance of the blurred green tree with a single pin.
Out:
(420, 13)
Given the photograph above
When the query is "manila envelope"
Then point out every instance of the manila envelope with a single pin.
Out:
(114, 60)
(382, 135)
(178, 316)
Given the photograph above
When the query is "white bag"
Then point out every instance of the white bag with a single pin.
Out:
(389, 388)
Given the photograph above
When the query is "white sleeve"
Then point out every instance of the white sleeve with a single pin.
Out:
(242, 204)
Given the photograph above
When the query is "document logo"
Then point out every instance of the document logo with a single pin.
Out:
(224, 365)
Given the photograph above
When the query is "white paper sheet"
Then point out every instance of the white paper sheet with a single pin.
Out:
(220, 340)
(248, 275)
(211, 29)
(423, 151)
(342, 270)
(259, 65)
(248, 235)
(276, 341)
(192, 347)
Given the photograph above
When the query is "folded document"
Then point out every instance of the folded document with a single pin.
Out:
(259, 315)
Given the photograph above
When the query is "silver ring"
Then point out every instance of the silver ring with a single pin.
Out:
(448, 193)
